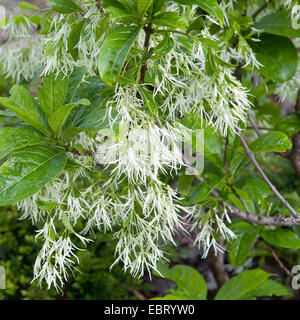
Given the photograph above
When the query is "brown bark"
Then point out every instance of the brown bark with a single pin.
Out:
(216, 263)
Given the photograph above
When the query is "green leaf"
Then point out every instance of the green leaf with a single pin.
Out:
(143, 6)
(191, 285)
(210, 6)
(117, 13)
(277, 55)
(239, 248)
(268, 113)
(129, 4)
(114, 51)
(164, 47)
(67, 223)
(64, 6)
(283, 238)
(28, 170)
(58, 118)
(74, 38)
(158, 5)
(148, 99)
(15, 138)
(270, 288)
(197, 24)
(113, 3)
(28, 6)
(242, 285)
(170, 19)
(258, 187)
(53, 93)
(185, 184)
(22, 103)
(95, 118)
(200, 192)
(47, 205)
(278, 23)
(275, 141)
(73, 84)
(289, 125)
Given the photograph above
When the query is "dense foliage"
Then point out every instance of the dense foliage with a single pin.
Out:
(102, 97)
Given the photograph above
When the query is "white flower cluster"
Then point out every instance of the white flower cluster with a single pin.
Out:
(181, 78)
(21, 54)
(144, 153)
(210, 223)
(150, 215)
(141, 210)
(57, 57)
(56, 258)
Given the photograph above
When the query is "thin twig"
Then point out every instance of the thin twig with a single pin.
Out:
(241, 199)
(260, 9)
(280, 263)
(286, 221)
(254, 124)
(266, 179)
(260, 128)
(234, 150)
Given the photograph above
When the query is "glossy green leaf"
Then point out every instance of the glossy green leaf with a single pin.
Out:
(53, 93)
(281, 237)
(239, 248)
(67, 223)
(47, 205)
(200, 192)
(258, 187)
(210, 6)
(143, 6)
(64, 6)
(171, 20)
(129, 4)
(28, 170)
(268, 114)
(73, 83)
(275, 141)
(115, 4)
(58, 118)
(148, 99)
(277, 55)
(95, 118)
(289, 125)
(22, 103)
(158, 5)
(278, 23)
(74, 38)
(241, 286)
(270, 288)
(114, 51)
(190, 284)
(185, 184)
(15, 138)
(117, 13)
(164, 47)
